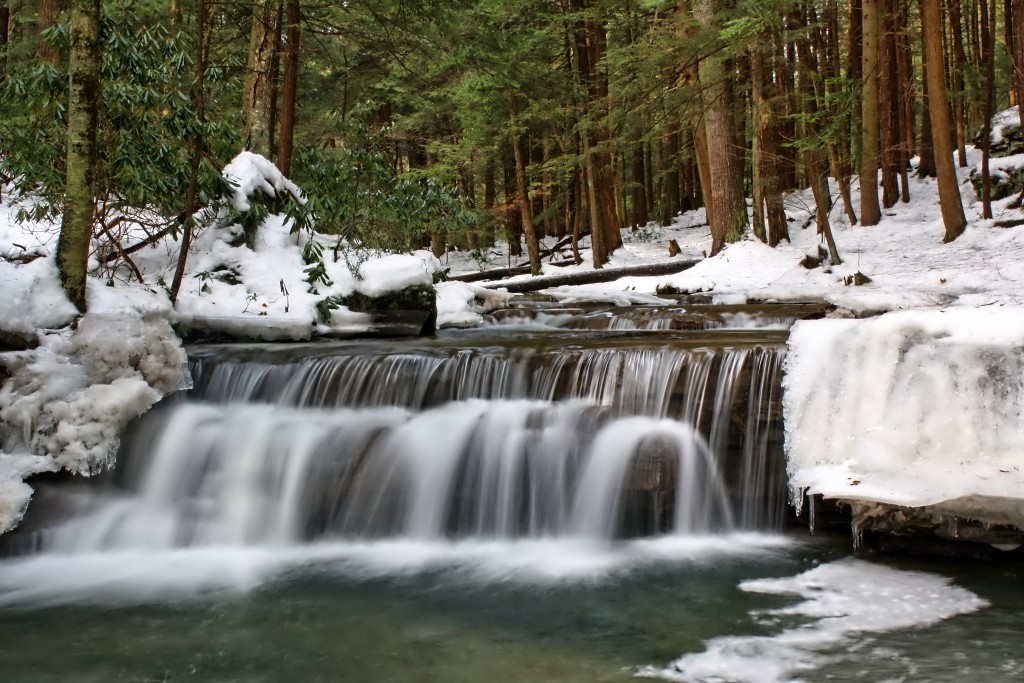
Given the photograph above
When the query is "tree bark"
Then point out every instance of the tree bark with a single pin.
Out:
(870, 212)
(926, 166)
(942, 139)
(588, 277)
(5, 38)
(259, 80)
(988, 24)
(80, 187)
(959, 63)
(289, 90)
(729, 218)
(47, 16)
(203, 35)
(813, 160)
(888, 115)
(525, 206)
(1017, 7)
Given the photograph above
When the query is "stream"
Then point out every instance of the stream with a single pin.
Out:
(568, 493)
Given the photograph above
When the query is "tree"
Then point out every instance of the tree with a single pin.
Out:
(257, 97)
(870, 211)
(289, 92)
(1018, 55)
(942, 139)
(83, 113)
(729, 215)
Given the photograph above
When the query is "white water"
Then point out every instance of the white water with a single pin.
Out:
(135, 576)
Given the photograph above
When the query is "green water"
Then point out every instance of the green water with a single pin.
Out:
(325, 621)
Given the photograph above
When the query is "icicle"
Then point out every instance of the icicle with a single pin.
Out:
(811, 509)
(858, 536)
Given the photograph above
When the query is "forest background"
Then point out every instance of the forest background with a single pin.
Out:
(455, 124)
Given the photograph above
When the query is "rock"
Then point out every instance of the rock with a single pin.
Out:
(17, 341)
(1005, 181)
(410, 307)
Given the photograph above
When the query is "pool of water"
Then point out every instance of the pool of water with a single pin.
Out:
(509, 611)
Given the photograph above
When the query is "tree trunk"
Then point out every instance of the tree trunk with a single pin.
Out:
(942, 139)
(47, 16)
(289, 90)
(80, 188)
(525, 205)
(854, 74)
(870, 212)
(5, 38)
(926, 166)
(812, 157)
(259, 79)
(988, 30)
(729, 217)
(888, 115)
(905, 94)
(670, 198)
(203, 35)
(959, 63)
(1017, 7)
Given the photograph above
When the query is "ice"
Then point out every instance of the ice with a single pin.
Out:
(841, 601)
(911, 408)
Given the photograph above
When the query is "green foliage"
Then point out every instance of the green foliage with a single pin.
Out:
(147, 118)
(354, 192)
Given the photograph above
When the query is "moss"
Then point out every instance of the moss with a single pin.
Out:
(417, 298)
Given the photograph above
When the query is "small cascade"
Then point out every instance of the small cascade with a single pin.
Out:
(502, 436)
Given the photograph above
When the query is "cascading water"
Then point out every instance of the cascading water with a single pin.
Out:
(588, 435)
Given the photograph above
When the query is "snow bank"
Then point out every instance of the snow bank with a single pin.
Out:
(460, 304)
(842, 601)
(911, 408)
(32, 297)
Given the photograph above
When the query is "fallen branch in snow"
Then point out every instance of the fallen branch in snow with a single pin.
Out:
(138, 246)
(1010, 223)
(121, 253)
(589, 277)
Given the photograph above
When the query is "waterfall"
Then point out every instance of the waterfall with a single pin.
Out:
(555, 437)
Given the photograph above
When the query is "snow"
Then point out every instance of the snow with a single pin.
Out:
(251, 173)
(841, 602)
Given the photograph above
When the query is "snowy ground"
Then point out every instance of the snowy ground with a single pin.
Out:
(957, 311)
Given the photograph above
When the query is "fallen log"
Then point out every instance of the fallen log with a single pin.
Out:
(589, 277)
(502, 273)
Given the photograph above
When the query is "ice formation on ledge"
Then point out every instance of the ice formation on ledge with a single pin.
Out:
(912, 408)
